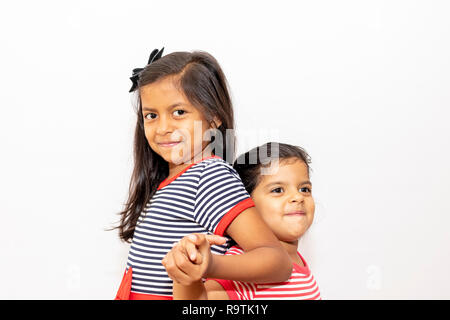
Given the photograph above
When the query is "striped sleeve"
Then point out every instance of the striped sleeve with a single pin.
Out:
(220, 197)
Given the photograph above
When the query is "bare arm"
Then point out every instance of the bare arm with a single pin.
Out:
(264, 260)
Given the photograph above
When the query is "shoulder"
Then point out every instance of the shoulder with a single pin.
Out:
(214, 162)
(215, 166)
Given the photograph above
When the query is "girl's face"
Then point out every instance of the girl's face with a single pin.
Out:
(169, 122)
(285, 201)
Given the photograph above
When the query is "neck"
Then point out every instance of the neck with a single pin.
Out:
(291, 248)
(174, 169)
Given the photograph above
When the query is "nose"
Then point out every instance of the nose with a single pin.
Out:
(164, 125)
(296, 196)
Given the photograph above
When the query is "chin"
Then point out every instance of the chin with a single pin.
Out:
(169, 157)
(295, 235)
(166, 157)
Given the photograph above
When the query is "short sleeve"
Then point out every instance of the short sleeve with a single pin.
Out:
(220, 197)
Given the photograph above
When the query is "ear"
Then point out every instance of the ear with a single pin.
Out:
(216, 123)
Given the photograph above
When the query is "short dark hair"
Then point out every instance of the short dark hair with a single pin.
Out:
(248, 165)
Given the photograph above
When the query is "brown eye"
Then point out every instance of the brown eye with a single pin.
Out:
(277, 190)
(179, 112)
(305, 189)
(152, 115)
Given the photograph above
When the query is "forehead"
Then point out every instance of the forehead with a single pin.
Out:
(285, 170)
(162, 93)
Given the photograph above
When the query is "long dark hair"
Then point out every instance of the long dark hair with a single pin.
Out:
(202, 80)
(248, 165)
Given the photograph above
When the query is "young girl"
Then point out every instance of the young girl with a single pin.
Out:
(282, 195)
(180, 185)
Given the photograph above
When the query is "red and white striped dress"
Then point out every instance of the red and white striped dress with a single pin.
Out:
(300, 286)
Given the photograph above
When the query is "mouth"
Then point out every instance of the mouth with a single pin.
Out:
(296, 213)
(168, 144)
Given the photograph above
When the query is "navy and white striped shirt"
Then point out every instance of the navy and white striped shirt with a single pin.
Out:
(204, 198)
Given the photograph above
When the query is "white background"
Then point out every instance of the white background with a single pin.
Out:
(363, 86)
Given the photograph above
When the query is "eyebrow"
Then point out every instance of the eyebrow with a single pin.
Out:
(281, 182)
(176, 104)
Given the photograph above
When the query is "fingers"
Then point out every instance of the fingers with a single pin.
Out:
(214, 239)
(204, 243)
(197, 245)
(173, 271)
(192, 242)
(179, 268)
(191, 250)
(188, 260)
(203, 246)
(188, 271)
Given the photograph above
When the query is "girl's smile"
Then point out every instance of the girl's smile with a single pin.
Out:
(296, 214)
(168, 144)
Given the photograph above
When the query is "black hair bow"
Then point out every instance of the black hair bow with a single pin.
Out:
(155, 55)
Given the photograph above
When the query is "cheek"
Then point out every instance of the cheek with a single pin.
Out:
(193, 131)
(311, 209)
(269, 209)
(181, 133)
(206, 132)
(312, 205)
(149, 133)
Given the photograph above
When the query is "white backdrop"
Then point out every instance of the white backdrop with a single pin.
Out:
(363, 86)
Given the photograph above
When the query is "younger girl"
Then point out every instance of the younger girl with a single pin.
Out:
(282, 195)
(180, 184)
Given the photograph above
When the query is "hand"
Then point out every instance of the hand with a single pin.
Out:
(192, 242)
(189, 259)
